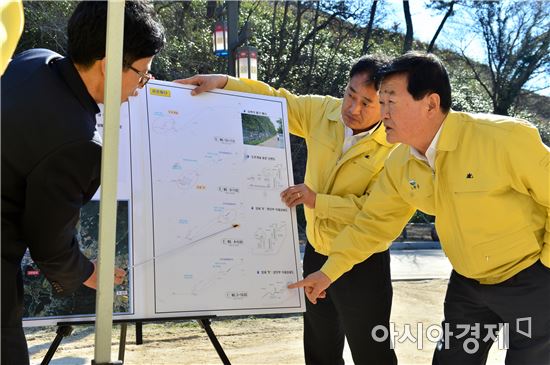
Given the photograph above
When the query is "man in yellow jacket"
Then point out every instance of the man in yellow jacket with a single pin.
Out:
(346, 151)
(486, 178)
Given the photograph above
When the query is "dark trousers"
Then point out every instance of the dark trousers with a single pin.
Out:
(356, 303)
(14, 344)
(473, 311)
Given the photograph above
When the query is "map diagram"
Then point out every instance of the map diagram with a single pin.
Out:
(217, 173)
(276, 291)
(270, 178)
(220, 270)
(270, 239)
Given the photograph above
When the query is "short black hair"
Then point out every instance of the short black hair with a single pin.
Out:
(371, 65)
(87, 28)
(425, 74)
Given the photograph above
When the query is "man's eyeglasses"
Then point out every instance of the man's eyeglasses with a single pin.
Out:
(143, 77)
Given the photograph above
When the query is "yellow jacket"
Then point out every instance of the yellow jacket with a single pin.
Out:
(490, 194)
(341, 182)
(11, 27)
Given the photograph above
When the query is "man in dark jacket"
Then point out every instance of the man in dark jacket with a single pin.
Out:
(51, 152)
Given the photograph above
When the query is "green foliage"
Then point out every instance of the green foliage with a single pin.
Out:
(46, 25)
(468, 96)
(189, 41)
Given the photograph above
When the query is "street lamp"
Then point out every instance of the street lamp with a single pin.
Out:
(243, 61)
(246, 62)
(220, 39)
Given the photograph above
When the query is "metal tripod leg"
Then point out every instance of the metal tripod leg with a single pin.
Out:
(205, 323)
(62, 331)
(122, 343)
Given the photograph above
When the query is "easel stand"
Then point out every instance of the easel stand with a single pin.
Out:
(205, 324)
(65, 330)
(62, 331)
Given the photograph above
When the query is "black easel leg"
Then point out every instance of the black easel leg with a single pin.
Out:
(62, 331)
(122, 343)
(205, 323)
(139, 333)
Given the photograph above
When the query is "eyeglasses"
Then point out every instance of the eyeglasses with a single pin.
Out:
(143, 77)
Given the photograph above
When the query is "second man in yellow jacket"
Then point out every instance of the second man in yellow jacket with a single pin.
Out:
(347, 148)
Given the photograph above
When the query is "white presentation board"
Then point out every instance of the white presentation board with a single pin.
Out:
(200, 218)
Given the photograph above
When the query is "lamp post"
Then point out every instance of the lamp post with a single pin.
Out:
(233, 32)
(246, 62)
(220, 39)
(236, 65)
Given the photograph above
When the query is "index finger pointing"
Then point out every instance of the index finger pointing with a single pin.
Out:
(298, 284)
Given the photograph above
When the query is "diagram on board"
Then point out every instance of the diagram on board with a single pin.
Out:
(269, 240)
(218, 172)
(269, 178)
(275, 292)
(220, 270)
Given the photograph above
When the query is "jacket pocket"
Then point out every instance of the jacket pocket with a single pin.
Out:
(505, 251)
(485, 210)
(353, 177)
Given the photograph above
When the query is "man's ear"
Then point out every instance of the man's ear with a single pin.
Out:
(434, 101)
(103, 64)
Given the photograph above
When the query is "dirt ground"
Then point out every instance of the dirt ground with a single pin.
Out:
(253, 340)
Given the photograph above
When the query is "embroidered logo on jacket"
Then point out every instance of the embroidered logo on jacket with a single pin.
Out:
(414, 185)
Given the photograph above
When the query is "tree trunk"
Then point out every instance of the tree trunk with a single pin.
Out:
(211, 9)
(294, 50)
(368, 34)
(312, 55)
(269, 66)
(407, 44)
(282, 44)
(447, 15)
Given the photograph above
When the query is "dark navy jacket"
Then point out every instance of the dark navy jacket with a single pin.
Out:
(51, 155)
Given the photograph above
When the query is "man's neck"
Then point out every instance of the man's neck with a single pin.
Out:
(357, 131)
(429, 134)
(92, 80)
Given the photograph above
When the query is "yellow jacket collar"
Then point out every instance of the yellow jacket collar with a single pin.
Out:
(452, 125)
(335, 114)
(379, 135)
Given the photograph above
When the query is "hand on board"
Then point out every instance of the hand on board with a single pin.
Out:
(204, 82)
(91, 282)
(299, 194)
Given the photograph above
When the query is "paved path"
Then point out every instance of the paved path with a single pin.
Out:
(417, 260)
(419, 264)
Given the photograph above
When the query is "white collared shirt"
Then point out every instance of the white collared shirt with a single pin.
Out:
(429, 158)
(350, 140)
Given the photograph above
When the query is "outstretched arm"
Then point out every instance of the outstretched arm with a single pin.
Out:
(304, 112)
